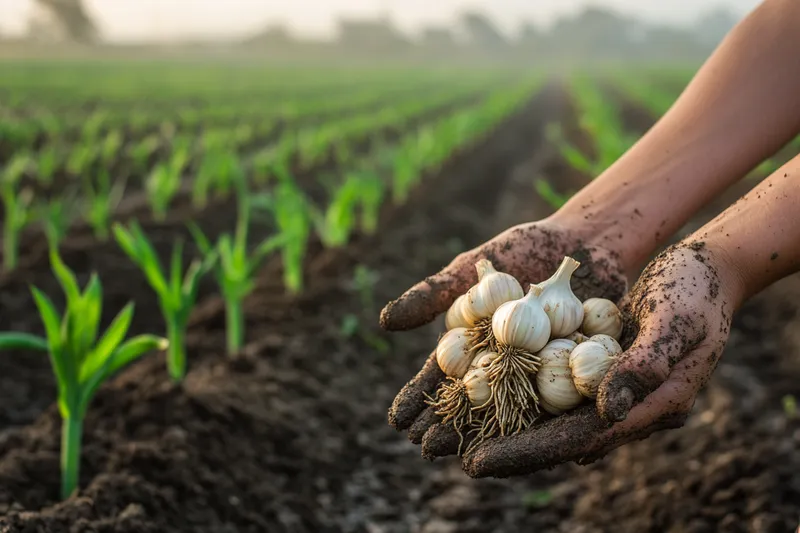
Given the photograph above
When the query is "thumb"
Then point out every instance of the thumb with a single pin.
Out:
(641, 369)
(427, 299)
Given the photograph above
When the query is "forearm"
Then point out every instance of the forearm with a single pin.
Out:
(740, 108)
(758, 238)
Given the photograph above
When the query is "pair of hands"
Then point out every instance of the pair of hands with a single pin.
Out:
(679, 320)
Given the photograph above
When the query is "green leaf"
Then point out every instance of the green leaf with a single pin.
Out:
(128, 352)
(109, 342)
(23, 341)
(65, 278)
(65, 371)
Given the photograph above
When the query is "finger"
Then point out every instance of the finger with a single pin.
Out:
(442, 440)
(410, 401)
(424, 421)
(582, 435)
(645, 366)
(427, 299)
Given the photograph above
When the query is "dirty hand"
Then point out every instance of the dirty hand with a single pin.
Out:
(681, 314)
(529, 252)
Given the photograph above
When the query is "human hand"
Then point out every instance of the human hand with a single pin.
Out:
(529, 252)
(680, 311)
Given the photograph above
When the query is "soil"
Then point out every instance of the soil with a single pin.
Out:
(291, 434)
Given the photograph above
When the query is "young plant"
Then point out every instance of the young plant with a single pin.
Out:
(56, 216)
(236, 269)
(164, 181)
(177, 293)
(81, 361)
(17, 210)
(103, 198)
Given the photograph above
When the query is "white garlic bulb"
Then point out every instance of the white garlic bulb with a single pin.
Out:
(522, 323)
(557, 392)
(611, 344)
(492, 290)
(478, 390)
(454, 353)
(460, 314)
(601, 316)
(483, 359)
(577, 337)
(562, 306)
(589, 362)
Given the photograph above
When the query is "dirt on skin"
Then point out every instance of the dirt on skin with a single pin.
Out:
(292, 435)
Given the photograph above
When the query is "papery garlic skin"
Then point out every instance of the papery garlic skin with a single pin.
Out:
(460, 314)
(589, 362)
(601, 316)
(483, 359)
(492, 290)
(563, 308)
(577, 337)
(557, 392)
(522, 323)
(477, 384)
(454, 353)
(611, 344)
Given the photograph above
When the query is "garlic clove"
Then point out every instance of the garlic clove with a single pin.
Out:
(601, 316)
(557, 392)
(522, 323)
(577, 337)
(589, 362)
(454, 352)
(611, 344)
(483, 359)
(492, 290)
(478, 389)
(563, 308)
(460, 314)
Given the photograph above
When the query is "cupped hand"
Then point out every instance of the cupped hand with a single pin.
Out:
(529, 252)
(680, 314)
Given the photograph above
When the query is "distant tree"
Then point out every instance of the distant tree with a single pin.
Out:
(481, 32)
(67, 17)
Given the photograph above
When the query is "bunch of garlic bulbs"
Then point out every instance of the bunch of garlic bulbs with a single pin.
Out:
(510, 355)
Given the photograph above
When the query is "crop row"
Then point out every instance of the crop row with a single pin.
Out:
(284, 183)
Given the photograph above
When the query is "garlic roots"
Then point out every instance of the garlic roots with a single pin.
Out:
(601, 316)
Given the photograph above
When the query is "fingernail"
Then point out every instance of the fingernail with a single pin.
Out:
(618, 407)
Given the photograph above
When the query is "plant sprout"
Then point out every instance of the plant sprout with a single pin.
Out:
(81, 361)
(103, 198)
(56, 216)
(236, 269)
(177, 293)
(16, 205)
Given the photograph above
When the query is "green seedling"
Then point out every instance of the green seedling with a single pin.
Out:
(56, 217)
(177, 291)
(17, 209)
(102, 197)
(236, 269)
(81, 361)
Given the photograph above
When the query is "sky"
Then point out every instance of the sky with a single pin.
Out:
(135, 20)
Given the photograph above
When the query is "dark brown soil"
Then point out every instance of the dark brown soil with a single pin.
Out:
(292, 434)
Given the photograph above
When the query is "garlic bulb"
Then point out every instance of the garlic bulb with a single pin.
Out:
(478, 390)
(611, 344)
(460, 314)
(563, 308)
(577, 337)
(589, 362)
(522, 323)
(483, 359)
(557, 393)
(492, 290)
(601, 316)
(454, 353)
